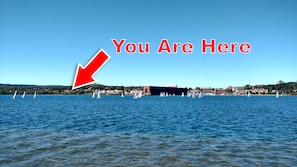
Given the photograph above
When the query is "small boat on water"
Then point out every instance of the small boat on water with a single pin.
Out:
(193, 95)
(98, 95)
(137, 95)
(200, 95)
(249, 94)
(276, 94)
(14, 95)
(23, 96)
(189, 94)
(162, 94)
(94, 94)
(34, 96)
(182, 95)
(122, 95)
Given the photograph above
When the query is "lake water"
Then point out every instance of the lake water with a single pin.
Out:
(151, 131)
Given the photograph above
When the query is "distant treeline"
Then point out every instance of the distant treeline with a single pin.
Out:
(58, 89)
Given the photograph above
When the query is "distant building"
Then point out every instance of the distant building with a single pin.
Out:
(239, 90)
(207, 90)
(156, 90)
(219, 91)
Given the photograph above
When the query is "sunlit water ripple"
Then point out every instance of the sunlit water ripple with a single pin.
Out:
(151, 131)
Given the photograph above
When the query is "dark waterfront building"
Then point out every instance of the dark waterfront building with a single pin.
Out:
(171, 90)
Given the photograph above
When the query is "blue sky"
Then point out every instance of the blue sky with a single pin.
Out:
(41, 42)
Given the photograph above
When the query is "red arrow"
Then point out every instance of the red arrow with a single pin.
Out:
(84, 75)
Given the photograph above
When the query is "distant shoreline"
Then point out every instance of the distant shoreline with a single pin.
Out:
(289, 88)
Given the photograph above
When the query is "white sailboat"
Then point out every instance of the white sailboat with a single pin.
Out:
(23, 96)
(122, 95)
(34, 96)
(98, 95)
(162, 94)
(137, 95)
(249, 94)
(189, 94)
(193, 95)
(15, 93)
(276, 94)
(200, 95)
(93, 94)
(182, 95)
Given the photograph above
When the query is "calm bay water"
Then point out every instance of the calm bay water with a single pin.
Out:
(151, 131)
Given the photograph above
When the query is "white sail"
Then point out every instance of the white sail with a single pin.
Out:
(161, 94)
(93, 94)
(122, 95)
(182, 95)
(188, 94)
(193, 95)
(23, 96)
(200, 95)
(276, 95)
(98, 95)
(249, 94)
(135, 96)
(34, 96)
(15, 93)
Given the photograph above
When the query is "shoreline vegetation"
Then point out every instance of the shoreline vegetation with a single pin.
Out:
(289, 88)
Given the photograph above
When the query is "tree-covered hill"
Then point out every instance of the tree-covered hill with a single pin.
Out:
(58, 89)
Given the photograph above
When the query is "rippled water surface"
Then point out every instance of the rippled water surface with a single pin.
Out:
(151, 131)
